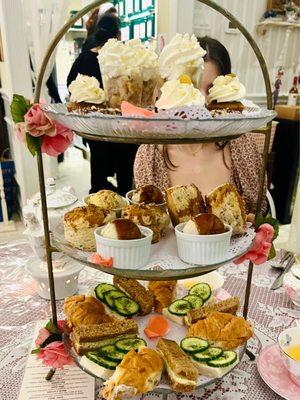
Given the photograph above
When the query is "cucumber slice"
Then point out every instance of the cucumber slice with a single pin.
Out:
(211, 353)
(111, 295)
(194, 345)
(202, 290)
(126, 345)
(102, 288)
(227, 358)
(97, 358)
(179, 307)
(110, 352)
(126, 306)
(195, 301)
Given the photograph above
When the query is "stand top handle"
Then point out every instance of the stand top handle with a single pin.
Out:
(209, 3)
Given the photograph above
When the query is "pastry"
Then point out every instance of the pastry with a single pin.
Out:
(148, 194)
(163, 292)
(122, 79)
(106, 200)
(179, 93)
(183, 202)
(183, 55)
(137, 292)
(86, 95)
(226, 93)
(180, 369)
(85, 310)
(121, 229)
(150, 216)
(229, 306)
(226, 203)
(204, 224)
(137, 374)
(80, 224)
(91, 337)
(222, 330)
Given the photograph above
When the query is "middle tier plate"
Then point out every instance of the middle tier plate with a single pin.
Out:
(164, 262)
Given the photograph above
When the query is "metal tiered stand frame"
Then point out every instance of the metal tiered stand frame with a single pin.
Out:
(138, 274)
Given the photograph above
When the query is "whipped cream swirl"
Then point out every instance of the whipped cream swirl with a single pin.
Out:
(226, 88)
(145, 58)
(86, 89)
(183, 55)
(176, 94)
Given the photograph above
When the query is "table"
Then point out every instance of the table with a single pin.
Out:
(20, 307)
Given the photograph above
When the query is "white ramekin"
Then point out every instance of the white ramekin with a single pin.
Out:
(126, 254)
(117, 210)
(202, 249)
(129, 199)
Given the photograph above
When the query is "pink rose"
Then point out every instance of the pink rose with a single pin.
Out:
(43, 335)
(54, 355)
(261, 246)
(20, 131)
(37, 123)
(55, 145)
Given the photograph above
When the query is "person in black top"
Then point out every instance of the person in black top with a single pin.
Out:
(106, 158)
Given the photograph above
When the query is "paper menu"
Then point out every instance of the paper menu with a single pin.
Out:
(71, 383)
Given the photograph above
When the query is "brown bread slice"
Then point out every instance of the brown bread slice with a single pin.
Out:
(179, 363)
(229, 306)
(137, 292)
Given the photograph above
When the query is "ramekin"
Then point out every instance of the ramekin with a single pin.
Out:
(129, 199)
(202, 249)
(126, 254)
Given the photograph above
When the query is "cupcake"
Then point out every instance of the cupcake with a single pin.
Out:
(86, 95)
(179, 93)
(80, 224)
(147, 60)
(226, 94)
(106, 200)
(121, 76)
(183, 55)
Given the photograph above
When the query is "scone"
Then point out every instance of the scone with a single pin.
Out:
(148, 194)
(106, 200)
(226, 203)
(80, 224)
(183, 202)
(150, 216)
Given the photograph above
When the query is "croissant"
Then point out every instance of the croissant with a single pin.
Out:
(223, 330)
(163, 292)
(85, 310)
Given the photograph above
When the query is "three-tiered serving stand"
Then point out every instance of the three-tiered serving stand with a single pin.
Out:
(131, 132)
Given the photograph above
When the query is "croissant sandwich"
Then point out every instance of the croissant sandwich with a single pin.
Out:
(163, 292)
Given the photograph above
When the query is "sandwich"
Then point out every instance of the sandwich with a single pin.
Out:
(137, 374)
(163, 292)
(91, 337)
(181, 371)
(137, 292)
(226, 203)
(222, 330)
(183, 202)
(229, 306)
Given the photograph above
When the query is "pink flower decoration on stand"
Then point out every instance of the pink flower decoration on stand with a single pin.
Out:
(37, 123)
(43, 335)
(20, 131)
(54, 355)
(55, 145)
(260, 249)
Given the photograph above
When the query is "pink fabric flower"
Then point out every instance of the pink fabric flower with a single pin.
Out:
(37, 123)
(20, 131)
(54, 355)
(55, 145)
(43, 335)
(261, 246)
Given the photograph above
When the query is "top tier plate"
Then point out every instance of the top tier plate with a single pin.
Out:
(115, 128)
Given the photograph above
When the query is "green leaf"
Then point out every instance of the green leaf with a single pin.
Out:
(268, 220)
(272, 253)
(51, 327)
(19, 107)
(33, 143)
(35, 351)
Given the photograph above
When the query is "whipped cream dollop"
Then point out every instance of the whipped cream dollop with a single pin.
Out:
(183, 55)
(176, 94)
(226, 88)
(86, 89)
(145, 58)
(117, 59)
